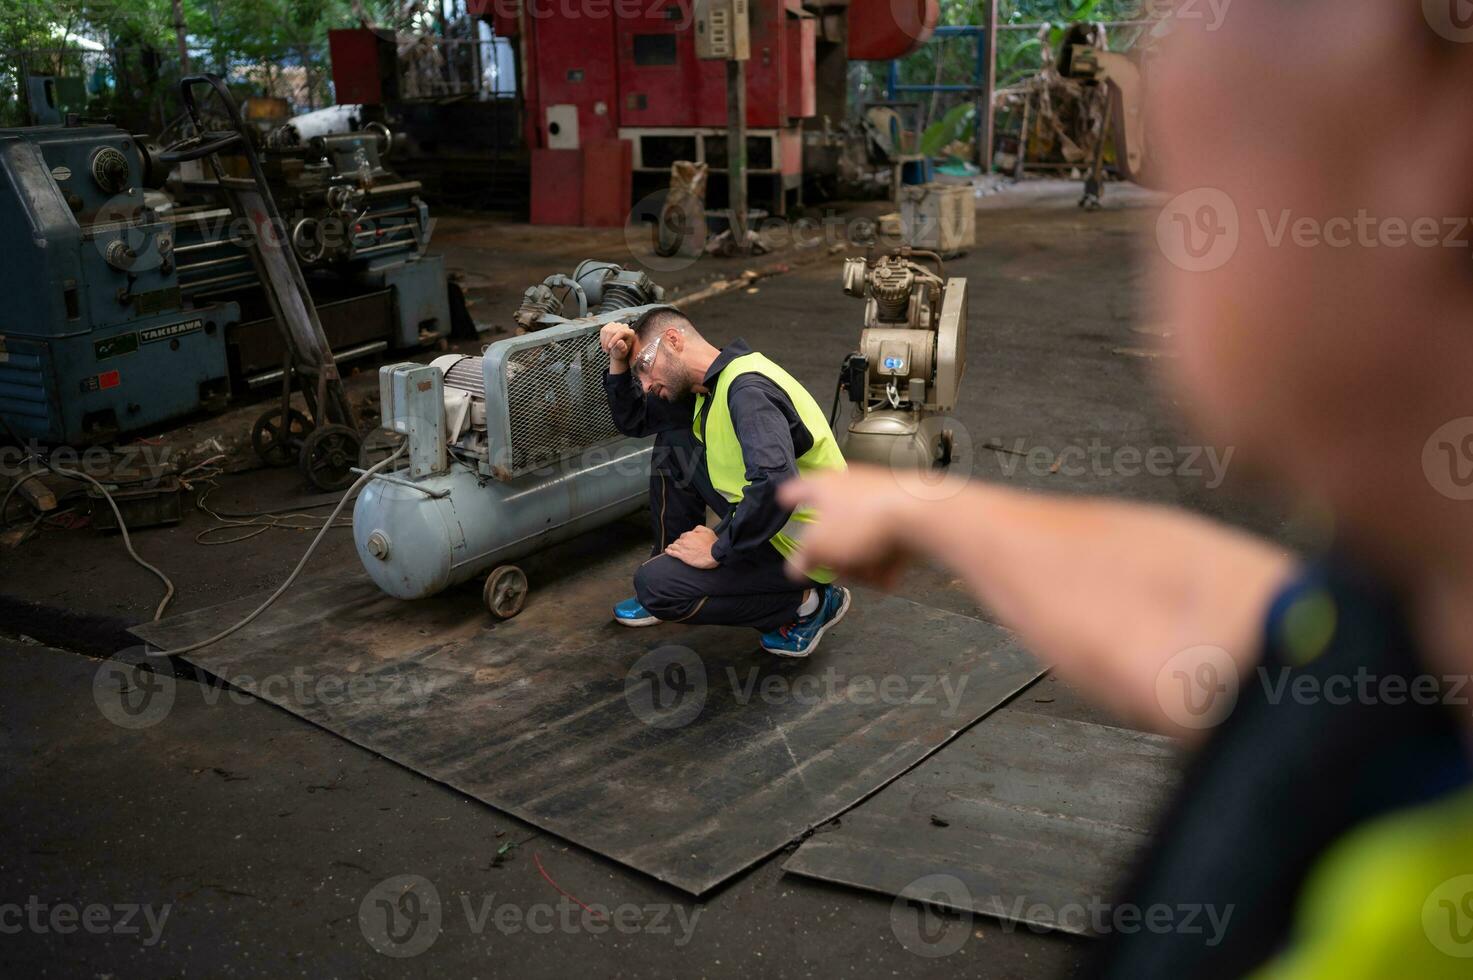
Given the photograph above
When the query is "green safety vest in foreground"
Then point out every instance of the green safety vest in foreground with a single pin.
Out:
(1391, 899)
(724, 461)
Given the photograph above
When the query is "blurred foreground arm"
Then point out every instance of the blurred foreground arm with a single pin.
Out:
(1107, 591)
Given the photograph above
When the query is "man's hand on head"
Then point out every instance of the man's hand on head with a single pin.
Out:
(619, 342)
(694, 548)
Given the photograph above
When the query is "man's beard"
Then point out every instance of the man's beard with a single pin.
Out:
(677, 389)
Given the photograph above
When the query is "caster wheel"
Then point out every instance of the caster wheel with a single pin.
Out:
(945, 450)
(505, 591)
(328, 457)
(378, 445)
(276, 443)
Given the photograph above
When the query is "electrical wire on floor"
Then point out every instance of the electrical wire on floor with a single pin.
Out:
(5, 505)
(158, 613)
(260, 521)
(361, 482)
(328, 524)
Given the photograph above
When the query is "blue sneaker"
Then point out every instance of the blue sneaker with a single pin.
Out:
(631, 613)
(801, 638)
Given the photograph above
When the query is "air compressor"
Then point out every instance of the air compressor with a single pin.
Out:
(904, 379)
(508, 452)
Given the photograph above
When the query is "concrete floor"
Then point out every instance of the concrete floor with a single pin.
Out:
(263, 835)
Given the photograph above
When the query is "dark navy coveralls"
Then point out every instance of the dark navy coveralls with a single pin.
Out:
(749, 586)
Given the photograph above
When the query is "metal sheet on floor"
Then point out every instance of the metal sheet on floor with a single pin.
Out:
(1026, 818)
(685, 753)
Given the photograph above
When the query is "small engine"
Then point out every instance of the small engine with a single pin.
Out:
(598, 288)
(911, 357)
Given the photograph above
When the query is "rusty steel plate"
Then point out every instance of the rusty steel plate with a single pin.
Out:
(1025, 818)
(685, 753)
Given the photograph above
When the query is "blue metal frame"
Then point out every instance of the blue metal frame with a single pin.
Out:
(978, 89)
(892, 81)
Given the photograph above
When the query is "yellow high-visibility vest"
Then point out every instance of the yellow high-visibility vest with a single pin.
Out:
(724, 462)
(1391, 899)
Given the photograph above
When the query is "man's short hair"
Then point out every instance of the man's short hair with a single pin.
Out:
(652, 323)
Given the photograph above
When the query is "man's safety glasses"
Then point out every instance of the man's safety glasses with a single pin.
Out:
(645, 359)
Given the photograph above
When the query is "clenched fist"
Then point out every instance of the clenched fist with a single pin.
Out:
(619, 342)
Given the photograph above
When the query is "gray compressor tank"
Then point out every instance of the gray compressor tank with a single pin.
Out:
(415, 544)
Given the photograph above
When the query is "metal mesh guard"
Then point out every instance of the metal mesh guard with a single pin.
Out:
(557, 404)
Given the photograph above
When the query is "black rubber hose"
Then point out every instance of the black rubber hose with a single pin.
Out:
(838, 390)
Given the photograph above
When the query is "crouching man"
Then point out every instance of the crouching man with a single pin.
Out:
(730, 426)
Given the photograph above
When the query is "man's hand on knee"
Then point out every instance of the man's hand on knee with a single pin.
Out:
(694, 548)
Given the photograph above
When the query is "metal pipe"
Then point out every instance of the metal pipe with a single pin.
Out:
(192, 286)
(432, 494)
(405, 186)
(375, 249)
(390, 230)
(1041, 25)
(200, 246)
(212, 263)
(209, 293)
(395, 213)
(267, 377)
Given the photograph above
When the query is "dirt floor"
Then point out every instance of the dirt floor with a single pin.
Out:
(263, 836)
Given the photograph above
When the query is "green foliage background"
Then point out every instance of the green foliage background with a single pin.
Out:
(222, 33)
(238, 32)
(948, 117)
